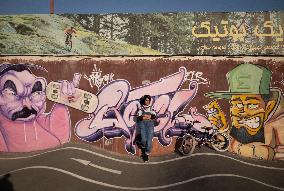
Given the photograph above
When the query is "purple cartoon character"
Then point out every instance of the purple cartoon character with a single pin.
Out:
(24, 126)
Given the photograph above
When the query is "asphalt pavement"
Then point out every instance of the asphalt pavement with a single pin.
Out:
(77, 167)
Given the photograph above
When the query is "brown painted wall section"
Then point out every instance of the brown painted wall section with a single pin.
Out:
(136, 70)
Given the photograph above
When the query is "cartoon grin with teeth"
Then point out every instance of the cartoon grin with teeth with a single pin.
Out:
(257, 113)
(248, 113)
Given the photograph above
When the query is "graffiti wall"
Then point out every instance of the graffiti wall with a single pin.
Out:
(49, 101)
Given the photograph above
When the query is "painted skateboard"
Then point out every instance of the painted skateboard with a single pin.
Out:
(81, 99)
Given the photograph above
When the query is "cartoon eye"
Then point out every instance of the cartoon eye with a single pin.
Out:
(9, 91)
(239, 105)
(252, 106)
(212, 111)
(36, 96)
(10, 94)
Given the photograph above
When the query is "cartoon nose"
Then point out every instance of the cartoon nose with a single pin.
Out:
(243, 113)
(244, 110)
(27, 102)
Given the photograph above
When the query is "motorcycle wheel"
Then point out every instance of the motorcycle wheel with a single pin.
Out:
(187, 145)
(220, 142)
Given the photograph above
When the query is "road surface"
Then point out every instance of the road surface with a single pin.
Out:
(77, 167)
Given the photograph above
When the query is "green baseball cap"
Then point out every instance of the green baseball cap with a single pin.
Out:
(245, 79)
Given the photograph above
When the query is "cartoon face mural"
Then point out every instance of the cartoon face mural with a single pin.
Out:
(254, 111)
(24, 126)
(249, 112)
(216, 116)
(22, 94)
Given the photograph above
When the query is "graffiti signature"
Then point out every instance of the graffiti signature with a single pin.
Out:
(196, 76)
(96, 78)
(118, 105)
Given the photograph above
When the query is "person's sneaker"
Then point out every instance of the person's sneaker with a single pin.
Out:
(145, 158)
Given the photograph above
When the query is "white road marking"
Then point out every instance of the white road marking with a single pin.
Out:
(149, 163)
(88, 163)
(144, 188)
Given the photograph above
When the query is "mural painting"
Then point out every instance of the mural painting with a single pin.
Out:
(119, 103)
(251, 126)
(24, 124)
(256, 112)
(73, 88)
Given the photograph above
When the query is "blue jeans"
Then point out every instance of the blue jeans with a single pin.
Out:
(147, 134)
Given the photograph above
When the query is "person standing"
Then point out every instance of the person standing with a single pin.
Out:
(146, 116)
